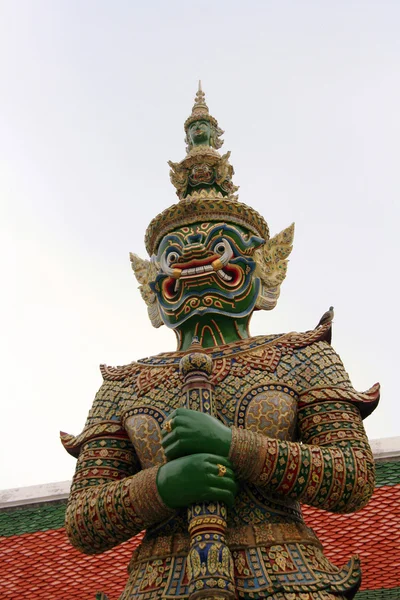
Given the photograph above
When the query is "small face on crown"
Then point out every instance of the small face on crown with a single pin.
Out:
(199, 133)
(206, 268)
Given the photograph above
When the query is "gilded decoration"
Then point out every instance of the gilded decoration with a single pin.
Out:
(326, 416)
(214, 447)
(204, 206)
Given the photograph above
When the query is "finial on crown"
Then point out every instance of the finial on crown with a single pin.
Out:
(200, 112)
(203, 170)
(203, 183)
(200, 105)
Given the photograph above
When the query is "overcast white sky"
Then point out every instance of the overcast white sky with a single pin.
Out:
(93, 97)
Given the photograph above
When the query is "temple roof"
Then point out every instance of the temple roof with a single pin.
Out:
(38, 562)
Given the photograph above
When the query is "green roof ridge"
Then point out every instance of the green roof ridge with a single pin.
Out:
(381, 594)
(387, 473)
(29, 519)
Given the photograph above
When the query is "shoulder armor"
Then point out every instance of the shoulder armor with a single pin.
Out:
(73, 443)
(366, 402)
(120, 373)
(323, 333)
(104, 418)
(326, 377)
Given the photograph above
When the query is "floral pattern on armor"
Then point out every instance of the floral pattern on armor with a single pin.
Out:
(108, 504)
(315, 452)
(338, 478)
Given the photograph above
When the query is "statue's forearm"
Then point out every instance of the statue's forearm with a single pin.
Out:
(102, 511)
(333, 470)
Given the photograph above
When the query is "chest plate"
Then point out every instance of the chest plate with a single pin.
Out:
(144, 431)
(270, 410)
(250, 398)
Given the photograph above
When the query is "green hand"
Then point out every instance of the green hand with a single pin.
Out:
(195, 478)
(195, 432)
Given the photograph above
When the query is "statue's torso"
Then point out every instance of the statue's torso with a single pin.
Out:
(257, 385)
(247, 392)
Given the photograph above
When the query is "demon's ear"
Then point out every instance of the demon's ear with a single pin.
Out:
(272, 261)
(146, 272)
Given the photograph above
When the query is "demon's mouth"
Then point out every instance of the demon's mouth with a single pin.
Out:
(196, 272)
(197, 268)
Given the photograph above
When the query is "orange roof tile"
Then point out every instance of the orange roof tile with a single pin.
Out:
(373, 533)
(44, 566)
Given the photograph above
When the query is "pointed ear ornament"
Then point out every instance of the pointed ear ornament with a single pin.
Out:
(272, 260)
(146, 272)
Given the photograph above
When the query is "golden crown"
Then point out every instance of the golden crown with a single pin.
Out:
(203, 204)
(200, 111)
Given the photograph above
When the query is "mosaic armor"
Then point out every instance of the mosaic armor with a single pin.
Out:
(293, 419)
(297, 437)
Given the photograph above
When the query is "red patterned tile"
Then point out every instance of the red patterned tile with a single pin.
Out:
(373, 533)
(43, 565)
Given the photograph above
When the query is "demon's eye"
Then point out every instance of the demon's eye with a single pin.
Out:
(220, 247)
(172, 258)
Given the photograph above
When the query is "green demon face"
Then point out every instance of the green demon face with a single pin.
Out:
(206, 268)
(199, 133)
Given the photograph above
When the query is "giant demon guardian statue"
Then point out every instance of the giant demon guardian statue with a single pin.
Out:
(212, 448)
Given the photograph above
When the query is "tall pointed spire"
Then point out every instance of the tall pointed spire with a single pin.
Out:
(200, 107)
(203, 182)
(200, 110)
(203, 170)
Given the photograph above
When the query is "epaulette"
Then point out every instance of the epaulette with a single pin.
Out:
(104, 418)
(323, 333)
(366, 402)
(73, 443)
(120, 373)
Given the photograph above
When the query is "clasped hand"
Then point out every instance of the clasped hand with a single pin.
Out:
(194, 432)
(195, 446)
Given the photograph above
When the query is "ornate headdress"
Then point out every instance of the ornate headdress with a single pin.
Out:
(200, 112)
(206, 193)
(204, 206)
(204, 187)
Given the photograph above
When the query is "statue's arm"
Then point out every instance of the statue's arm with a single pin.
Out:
(111, 498)
(109, 503)
(332, 467)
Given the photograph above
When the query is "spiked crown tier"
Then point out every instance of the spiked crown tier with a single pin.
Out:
(200, 111)
(203, 182)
